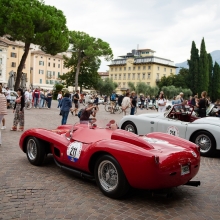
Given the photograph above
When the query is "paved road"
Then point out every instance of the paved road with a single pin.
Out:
(46, 192)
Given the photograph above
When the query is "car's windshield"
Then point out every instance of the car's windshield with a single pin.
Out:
(179, 109)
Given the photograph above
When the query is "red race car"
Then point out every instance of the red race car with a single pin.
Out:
(116, 159)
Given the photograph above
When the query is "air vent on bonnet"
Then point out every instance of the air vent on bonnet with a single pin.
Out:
(130, 138)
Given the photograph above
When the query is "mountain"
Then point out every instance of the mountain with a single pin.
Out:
(215, 57)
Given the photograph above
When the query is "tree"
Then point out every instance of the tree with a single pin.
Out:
(56, 89)
(194, 80)
(88, 77)
(216, 82)
(182, 78)
(31, 21)
(106, 87)
(210, 67)
(142, 88)
(87, 48)
(203, 69)
(131, 86)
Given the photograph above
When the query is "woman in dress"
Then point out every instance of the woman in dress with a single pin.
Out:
(3, 109)
(19, 112)
(161, 103)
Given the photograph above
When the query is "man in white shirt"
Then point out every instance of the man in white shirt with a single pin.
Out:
(8, 96)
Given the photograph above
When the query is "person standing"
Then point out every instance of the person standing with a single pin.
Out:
(3, 109)
(8, 96)
(19, 112)
(42, 98)
(59, 98)
(76, 102)
(65, 106)
(96, 102)
(126, 103)
(113, 102)
(202, 104)
(161, 103)
(142, 99)
(36, 97)
(133, 99)
(49, 99)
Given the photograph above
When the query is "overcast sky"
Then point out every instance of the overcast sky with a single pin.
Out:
(165, 26)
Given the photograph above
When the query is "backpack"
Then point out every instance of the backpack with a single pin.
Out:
(113, 97)
(80, 112)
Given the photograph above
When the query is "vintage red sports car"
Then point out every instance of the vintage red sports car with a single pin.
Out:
(116, 159)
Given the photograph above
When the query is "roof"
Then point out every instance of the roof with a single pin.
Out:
(40, 52)
(146, 50)
(103, 73)
(13, 43)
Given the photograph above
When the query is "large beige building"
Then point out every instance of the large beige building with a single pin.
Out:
(139, 66)
(40, 70)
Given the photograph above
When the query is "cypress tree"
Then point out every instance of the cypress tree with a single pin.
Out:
(216, 82)
(193, 69)
(210, 90)
(203, 69)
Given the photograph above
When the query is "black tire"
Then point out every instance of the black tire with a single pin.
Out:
(210, 148)
(117, 178)
(129, 126)
(35, 151)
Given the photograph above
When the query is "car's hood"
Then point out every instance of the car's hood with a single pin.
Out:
(208, 120)
(151, 115)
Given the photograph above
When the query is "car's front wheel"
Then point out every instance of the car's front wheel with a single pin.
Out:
(129, 126)
(206, 142)
(110, 177)
(35, 151)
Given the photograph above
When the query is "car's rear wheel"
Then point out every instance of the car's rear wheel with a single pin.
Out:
(129, 126)
(110, 177)
(35, 151)
(206, 142)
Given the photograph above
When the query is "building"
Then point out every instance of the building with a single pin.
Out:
(10, 56)
(139, 66)
(46, 69)
(40, 69)
(104, 75)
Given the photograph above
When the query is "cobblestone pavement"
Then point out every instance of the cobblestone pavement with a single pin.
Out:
(46, 192)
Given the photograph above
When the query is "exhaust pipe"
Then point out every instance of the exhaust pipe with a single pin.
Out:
(193, 183)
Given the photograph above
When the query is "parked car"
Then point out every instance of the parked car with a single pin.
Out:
(179, 121)
(116, 159)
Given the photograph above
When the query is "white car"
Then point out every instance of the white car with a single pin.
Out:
(178, 121)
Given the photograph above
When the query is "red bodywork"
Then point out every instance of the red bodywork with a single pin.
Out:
(154, 161)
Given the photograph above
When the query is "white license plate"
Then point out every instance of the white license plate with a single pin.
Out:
(185, 170)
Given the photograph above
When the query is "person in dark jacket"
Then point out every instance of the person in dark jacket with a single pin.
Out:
(65, 106)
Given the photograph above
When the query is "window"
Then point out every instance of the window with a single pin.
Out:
(48, 58)
(149, 67)
(40, 81)
(58, 74)
(133, 67)
(13, 48)
(112, 69)
(138, 77)
(133, 76)
(0, 60)
(124, 68)
(124, 76)
(13, 64)
(49, 64)
(143, 76)
(58, 60)
(41, 72)
(124, 84)
(51, 81)
(158, 75)
(115, 76)
(13, 55)
(49, 74)
(144, 67)
(1, 50)
(164, 69)
(120, 68)
(129, 68)
(0, 72)
(119, 84)
(41, 57)
(54, 65)
(129, 75)
(53, 74)
(53, 59)
(41, 63)
(148, 75)
(139, 68)
(58, 65)
(158, 68)
(171, 70)
(112, 76)
(119, 76)
(47, 81)
(116, 69)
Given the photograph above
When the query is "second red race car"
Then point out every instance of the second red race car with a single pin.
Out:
(116, 159)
